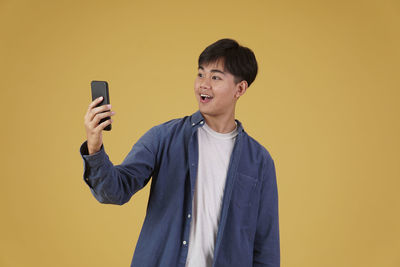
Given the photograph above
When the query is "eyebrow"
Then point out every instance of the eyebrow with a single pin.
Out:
(213, 70)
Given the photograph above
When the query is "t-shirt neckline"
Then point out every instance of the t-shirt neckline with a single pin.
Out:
(221, 135)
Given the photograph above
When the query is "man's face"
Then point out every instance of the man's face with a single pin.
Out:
(220, 88)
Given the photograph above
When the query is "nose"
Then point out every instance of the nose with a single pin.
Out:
(205, 83)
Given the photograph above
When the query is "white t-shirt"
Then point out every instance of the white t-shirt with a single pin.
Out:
(215, 150)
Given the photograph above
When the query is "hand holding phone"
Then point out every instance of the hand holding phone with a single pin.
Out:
(96, 121)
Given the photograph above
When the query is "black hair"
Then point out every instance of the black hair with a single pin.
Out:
(240, 61)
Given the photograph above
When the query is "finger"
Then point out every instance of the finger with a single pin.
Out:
(97, 118)
(101, 109)
(91, 105)
(98, 110)
(95, 102)
(100, 116)
(103, 125)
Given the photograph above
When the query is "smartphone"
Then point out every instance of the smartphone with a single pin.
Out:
(100, 88)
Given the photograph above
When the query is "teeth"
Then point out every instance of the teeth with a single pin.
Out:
(203, 95)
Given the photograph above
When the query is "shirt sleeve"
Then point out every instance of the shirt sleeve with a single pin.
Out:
(266, 243)
(116, 184)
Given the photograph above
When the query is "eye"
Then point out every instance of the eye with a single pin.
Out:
(216, 78)
(200, 75)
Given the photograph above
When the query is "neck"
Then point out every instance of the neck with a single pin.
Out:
(222, 123)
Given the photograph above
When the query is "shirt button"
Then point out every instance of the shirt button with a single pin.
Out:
(184, 242)
(188, 215)
(201, 122)
(192, 124)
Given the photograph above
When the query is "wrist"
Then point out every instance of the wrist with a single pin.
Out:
(93, 149)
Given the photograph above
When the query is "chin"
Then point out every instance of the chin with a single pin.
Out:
(206, 111)
(202, 109)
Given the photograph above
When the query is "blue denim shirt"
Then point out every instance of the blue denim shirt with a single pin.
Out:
(248, 232)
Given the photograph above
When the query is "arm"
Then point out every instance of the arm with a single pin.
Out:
(266, 243)
(111, 184)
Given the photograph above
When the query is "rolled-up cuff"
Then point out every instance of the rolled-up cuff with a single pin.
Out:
(93, 160)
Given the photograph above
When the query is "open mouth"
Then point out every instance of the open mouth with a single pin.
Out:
(205, 98)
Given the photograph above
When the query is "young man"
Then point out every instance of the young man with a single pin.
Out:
(213, 199)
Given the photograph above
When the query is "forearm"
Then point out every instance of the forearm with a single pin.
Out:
(100, 175)
(109, 184)
(116, 184)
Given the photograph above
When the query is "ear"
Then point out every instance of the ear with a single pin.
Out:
(241, 88)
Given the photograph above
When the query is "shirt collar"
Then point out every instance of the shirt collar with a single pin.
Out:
(197, 118)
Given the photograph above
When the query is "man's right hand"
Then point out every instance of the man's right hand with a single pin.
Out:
(94, 130)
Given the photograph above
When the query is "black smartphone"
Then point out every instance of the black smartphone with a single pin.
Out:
(100, 88)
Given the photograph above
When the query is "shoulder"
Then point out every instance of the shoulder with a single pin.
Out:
(255, 159)
(172, 124)
(255, 147)
(173, 129)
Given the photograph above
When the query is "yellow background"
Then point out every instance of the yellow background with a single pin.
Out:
(325, 104)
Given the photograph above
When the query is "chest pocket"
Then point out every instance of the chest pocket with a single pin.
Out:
(244, 190)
